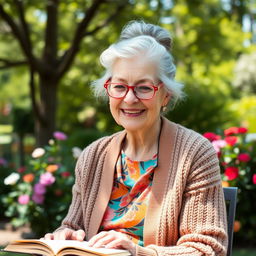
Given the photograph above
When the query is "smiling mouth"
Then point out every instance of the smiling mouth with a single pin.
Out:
(132, 112)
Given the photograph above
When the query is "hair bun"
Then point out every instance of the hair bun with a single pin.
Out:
(138, 28)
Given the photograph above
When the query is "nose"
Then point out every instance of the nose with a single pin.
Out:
(130, 97)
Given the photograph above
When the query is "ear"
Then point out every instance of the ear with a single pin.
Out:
(166, 99)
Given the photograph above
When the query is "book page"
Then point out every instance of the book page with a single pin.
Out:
(58, 245)
(33, 245)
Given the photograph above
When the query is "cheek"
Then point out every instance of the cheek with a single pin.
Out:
(113, 106)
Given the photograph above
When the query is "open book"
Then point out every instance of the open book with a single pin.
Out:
(59, 248)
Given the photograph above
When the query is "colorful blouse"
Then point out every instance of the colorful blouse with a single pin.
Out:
(129, 198)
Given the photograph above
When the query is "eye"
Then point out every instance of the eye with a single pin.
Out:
(144, 88)
(118, 87)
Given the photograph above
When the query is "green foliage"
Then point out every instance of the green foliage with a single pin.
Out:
(237, 155)
(22, 121)
(41, 191)
(202, 110)
(244, 251)
(83, 137)
(245, 109)
(245, 78)
(207, 39)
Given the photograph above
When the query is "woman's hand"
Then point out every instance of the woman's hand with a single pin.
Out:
(112, 239)
(66, 234)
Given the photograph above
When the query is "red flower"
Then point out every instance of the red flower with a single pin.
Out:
(211, 136)
(65, 174)
(231, 131)
(254, 179)
(231, 172)
(242, 130)
(21, 169)
(231, 140)
(223, 163)
(244, 157)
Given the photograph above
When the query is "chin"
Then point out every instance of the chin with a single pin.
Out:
(132, 126)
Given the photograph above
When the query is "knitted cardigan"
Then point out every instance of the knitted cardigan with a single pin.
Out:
(186, 214)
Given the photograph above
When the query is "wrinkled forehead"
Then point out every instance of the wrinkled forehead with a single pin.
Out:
(134, 69)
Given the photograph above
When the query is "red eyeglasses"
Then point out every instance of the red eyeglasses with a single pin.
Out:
(141, 91)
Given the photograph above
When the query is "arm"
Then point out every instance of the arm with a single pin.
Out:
(202, 221)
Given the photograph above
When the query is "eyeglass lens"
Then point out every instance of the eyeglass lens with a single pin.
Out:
(141, 91)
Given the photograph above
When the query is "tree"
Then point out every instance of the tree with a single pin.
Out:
(207, 40)
(48, 66)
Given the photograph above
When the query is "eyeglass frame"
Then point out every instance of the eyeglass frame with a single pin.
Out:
(156, 88)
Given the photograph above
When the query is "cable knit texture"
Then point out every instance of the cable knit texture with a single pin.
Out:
(186, 214)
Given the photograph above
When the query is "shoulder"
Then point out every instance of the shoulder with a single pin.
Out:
(191, 135)
(188, 140)
(100, 145)
(94, 155)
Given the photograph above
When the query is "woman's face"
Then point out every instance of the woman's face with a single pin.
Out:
(130, 112)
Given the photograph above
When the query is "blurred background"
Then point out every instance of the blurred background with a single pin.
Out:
(48, 59)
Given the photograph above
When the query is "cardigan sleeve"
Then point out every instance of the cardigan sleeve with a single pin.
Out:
(202, 220)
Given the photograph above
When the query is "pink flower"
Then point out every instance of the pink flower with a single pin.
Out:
(39, 189)
(47, 179)
(38, 199)
(242, 130)
(254, 179)
(218, 144)
(231, 140)
(211, 136)
(231, 131)
(23, 199)
(244, 157)
(231, 172)
(59, 135)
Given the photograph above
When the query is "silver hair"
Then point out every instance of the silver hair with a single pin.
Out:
(138, 38)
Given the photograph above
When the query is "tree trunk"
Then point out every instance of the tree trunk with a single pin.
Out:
(48, 106)
(21, 149)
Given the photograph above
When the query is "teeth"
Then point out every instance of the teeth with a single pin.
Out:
(132, 112)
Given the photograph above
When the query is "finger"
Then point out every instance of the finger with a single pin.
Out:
(104, 241)
(121, 243)
(63, 234)
(78, 235)
(116, 243)
(96, 238)
(48, 236)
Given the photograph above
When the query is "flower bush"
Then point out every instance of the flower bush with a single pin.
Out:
(41, 191)
(237, 155)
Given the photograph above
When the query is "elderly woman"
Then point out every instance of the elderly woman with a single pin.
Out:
(155, 187)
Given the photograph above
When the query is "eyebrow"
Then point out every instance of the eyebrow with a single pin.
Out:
(143, 80)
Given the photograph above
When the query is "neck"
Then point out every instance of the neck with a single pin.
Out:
(142, 145)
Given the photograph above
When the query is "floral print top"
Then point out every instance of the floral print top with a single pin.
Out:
(129, 198)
